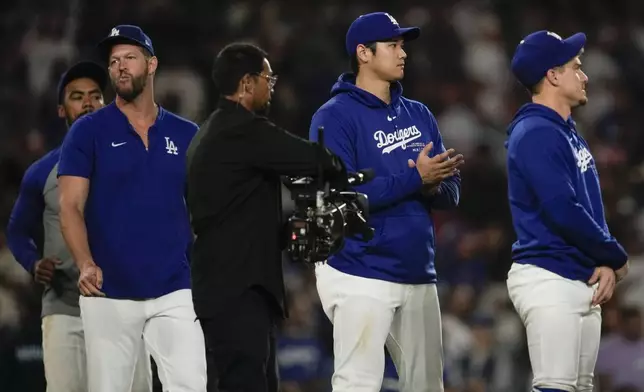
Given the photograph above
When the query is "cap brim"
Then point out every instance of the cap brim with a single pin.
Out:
(87, 69)
(409, 33)
(106, 44)
(575, 43)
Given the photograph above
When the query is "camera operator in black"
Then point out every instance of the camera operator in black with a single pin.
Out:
(234, 196)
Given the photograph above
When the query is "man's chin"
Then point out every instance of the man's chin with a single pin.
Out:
(128, 95)
(71, 120)
(397, 78)
(265, 110)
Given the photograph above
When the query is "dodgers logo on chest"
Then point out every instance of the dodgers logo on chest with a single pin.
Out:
(584, 158)
(399, 138)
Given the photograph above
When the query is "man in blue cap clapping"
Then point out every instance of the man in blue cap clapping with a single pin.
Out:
(383, 291)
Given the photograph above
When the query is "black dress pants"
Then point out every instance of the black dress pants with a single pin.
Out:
(240, 345)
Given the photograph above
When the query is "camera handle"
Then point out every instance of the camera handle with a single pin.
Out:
(319, 194)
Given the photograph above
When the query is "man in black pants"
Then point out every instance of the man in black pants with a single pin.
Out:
(234, 196)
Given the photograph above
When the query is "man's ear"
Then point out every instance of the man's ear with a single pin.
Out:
(243, 85)
(363, 53)
(247, 83)
(553, 77)
(153, 63)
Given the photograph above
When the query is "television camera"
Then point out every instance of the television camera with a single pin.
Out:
(324, 216)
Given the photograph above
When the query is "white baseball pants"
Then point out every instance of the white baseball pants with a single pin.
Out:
(63, 342)
(368, 314)
(170, 331)
(562, 328)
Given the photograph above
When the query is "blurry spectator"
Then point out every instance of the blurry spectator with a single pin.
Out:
(14, 281)
(21, 366)
(47, 41)
(621, 357)
(458, 338)
(301, 356)
(188, 87)
(479, 364)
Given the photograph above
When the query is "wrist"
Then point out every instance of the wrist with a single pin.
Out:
(86, 263)
(429, 183)
(415, 179)
(622, 271)
(32, 267)
(431, 189)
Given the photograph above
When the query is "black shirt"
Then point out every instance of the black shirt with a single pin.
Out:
(234, 197)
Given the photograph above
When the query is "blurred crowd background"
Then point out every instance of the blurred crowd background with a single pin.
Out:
(459, 68)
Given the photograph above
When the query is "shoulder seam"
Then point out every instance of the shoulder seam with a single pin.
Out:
(333, 113)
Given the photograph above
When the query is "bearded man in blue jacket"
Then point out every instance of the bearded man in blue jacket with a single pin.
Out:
(383, 291)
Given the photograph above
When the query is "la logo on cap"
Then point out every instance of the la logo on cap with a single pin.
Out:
(550, 33)
(115, 32)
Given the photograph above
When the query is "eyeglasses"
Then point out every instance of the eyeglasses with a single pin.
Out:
(271, 79)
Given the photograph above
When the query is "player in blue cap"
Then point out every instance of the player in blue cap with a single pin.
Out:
(566, 262)
(383, 291)
(122, 177)
(80, 92)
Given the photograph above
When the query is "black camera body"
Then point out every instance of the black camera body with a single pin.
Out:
(323, 216)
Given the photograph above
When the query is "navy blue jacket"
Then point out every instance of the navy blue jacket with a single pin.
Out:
(555, 197)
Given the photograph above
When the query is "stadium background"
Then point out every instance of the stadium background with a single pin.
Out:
(459, 68)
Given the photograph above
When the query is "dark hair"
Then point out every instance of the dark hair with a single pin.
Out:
(536, 88)
(233, 62)
(146, 53)
(353, 61)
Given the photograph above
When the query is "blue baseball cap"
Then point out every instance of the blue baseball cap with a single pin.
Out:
(377, 27)
(83, 69)
(125, 34)
(541, 51)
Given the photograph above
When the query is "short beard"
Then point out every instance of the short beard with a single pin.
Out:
(581, 102)
(138, 85)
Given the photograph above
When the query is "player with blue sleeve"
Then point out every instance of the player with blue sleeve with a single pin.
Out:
(25, 235)
(34, 230)
(383, 291)
(566, 262)
(122, 177)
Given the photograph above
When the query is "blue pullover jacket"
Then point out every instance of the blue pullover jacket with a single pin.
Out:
(365, 132)
(555, 197)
